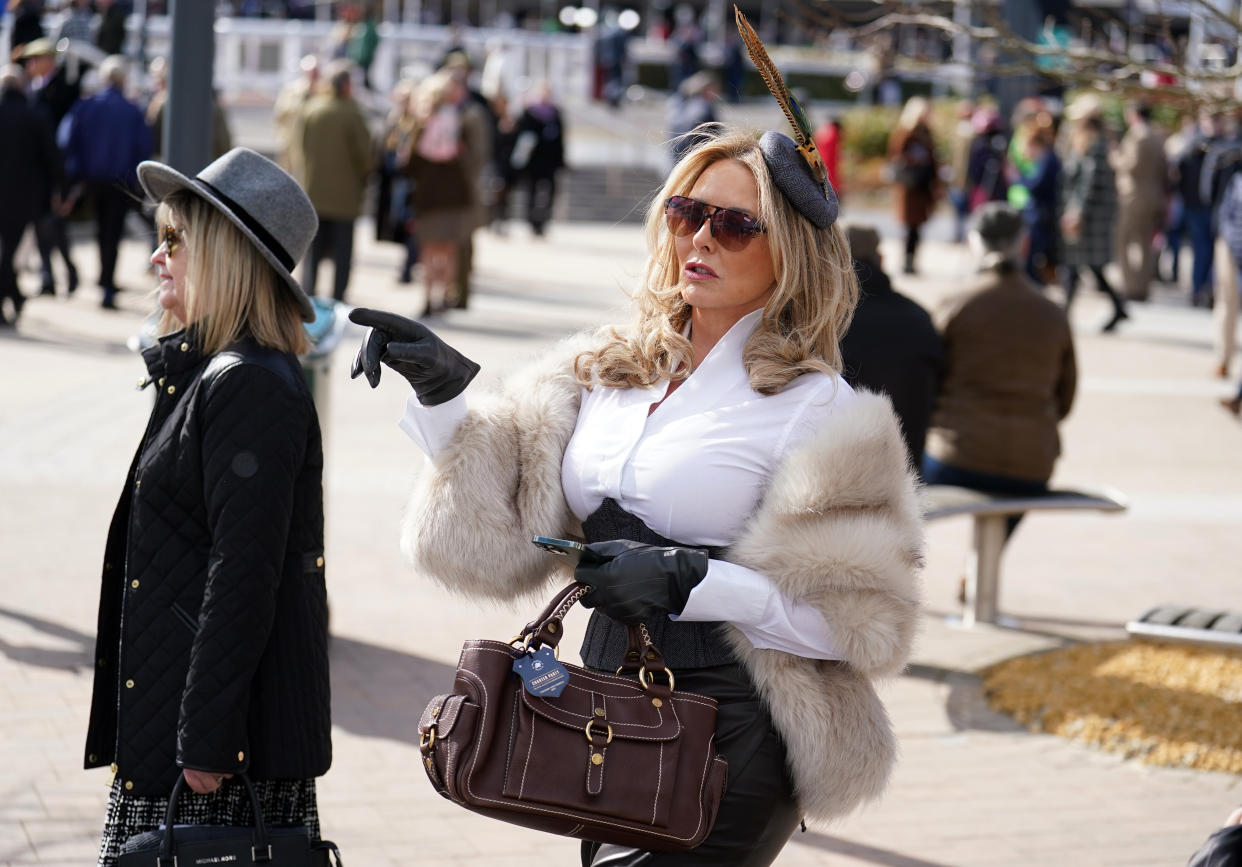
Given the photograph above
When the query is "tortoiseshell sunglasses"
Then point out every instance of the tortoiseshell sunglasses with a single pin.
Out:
(170, 239)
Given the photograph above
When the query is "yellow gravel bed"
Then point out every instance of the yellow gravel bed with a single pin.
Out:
(1175, 705)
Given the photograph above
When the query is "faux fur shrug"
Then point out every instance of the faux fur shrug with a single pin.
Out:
(839, 528)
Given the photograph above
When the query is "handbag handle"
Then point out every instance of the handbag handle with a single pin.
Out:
(641, 656)
(261, 847)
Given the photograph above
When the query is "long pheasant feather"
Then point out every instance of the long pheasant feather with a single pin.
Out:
(776, 84)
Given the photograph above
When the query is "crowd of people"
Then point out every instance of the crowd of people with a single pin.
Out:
(446, 160)
(1093, 192)
(455, 150)
(73, 134)
(69, 147)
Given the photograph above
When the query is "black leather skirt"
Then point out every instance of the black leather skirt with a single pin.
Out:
(758, 812)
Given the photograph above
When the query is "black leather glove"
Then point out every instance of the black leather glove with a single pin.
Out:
(437, 371)
(633, 582)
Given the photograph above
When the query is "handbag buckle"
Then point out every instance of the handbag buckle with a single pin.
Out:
(644, 677)
(427, 739)
(592, 722)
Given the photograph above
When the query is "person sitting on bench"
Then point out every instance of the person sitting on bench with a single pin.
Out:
(1009, 373)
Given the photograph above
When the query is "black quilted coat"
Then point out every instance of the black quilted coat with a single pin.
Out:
(212, 644)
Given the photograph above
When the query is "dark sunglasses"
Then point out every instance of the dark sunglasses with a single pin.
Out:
(170, 239)
(731, 229)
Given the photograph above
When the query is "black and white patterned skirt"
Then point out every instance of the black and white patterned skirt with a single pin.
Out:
(284, 802)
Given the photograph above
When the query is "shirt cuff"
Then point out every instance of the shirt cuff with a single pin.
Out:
(768, 618)
(432, 428)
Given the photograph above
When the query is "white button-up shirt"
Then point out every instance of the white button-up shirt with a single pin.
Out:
(693, 470)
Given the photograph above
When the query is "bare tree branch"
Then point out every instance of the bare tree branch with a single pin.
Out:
(1219, 15)
(1077, 65)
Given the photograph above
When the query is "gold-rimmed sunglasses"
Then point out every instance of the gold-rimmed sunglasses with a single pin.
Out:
(170, 239)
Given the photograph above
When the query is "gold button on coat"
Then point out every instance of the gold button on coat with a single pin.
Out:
(171, 389)
(185, 347)
(142, 381)
(129, 684)
(91, 757)
(134, 583)
(319, 561)
(161, 382)
(112, 767)
(240, 756)
(129, 784)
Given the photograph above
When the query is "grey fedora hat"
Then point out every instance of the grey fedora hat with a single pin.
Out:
(259, 198)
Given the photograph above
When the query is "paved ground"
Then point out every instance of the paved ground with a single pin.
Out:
(971, 788)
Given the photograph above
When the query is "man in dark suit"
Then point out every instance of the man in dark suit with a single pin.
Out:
(53, 91)
(30, 172)
(892, 345)
(105, 137)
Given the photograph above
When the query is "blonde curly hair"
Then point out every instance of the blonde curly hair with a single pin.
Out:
(802, 322)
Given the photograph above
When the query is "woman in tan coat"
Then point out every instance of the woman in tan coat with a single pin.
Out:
(912, 153)
(439, 165)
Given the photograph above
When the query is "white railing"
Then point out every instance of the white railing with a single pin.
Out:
(256, 56)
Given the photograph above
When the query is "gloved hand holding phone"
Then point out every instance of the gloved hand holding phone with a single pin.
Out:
(632, 582)
(436, 371)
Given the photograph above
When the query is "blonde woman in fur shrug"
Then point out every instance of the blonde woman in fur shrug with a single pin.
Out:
(737, 496)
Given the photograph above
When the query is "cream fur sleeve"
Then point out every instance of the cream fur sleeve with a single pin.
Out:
(840, 529)
(472, 513)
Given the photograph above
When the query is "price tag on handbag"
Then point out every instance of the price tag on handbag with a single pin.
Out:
(542, 673)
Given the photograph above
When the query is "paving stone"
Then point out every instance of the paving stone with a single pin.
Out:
(971, 787)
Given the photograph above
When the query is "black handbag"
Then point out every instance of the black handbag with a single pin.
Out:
(1222, 849)
(185, 845)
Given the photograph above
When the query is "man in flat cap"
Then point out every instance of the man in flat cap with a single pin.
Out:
(1009, 372)
(53, 90)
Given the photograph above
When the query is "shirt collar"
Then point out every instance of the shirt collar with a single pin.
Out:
(729, 347)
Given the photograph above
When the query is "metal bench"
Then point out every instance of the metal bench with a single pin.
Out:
(990, 512)
(1195, 625)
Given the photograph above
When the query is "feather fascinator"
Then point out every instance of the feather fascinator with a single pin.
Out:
(806, 185)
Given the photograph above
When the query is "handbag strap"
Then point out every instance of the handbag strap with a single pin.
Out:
(641, 656)
(329, 846)
(262, 850)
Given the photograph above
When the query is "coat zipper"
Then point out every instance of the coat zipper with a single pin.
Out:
(129, 538)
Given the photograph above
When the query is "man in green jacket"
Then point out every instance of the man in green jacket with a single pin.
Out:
(337, 157)
(1009, 373)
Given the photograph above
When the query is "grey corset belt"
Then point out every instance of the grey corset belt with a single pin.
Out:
(685, 645)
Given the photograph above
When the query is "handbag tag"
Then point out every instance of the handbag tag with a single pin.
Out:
(541, 672)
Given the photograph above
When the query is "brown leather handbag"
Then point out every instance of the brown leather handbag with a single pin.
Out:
(611, 759)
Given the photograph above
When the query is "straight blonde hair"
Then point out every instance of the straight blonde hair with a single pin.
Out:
(231, 291)
(802, 322)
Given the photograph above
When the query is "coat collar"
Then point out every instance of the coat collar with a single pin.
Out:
(174, 353)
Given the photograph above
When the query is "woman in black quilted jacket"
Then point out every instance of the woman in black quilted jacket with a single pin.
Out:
(211, 658)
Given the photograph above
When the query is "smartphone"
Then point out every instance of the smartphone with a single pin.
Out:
(561, 547)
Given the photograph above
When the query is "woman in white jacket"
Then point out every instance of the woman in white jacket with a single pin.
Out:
(738, 497)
